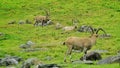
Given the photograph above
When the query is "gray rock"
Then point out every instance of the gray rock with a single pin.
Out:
(85, 28)
(8, 61)
(82, 62)
(12, 22)
(101, 51)
(92, 56)
(17, 58)
(104, 36)
(1, 34)
(48, 66)
(24, 46)
(28, 21)
(21, 22)
(109, 60)
(29, 62)
(48, 58)
(49, 22)
(28, 44)
(35, 49)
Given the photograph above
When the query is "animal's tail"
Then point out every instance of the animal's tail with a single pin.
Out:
(63, 43)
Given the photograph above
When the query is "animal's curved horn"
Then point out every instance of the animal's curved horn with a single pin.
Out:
(99, 30)
(91, 29)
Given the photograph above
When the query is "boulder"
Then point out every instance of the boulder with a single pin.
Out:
(110, 60)
(12, 22)
(28, 21)
(29, 62)
(8, 61)
(82, 62)
(28, 44)
(92, 56)
(21, 22)
(48, 66)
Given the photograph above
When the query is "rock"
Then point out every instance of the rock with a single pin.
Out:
(85, 28)
(12, 22)
(17, 58)
(109, 60)
(24, 46)
(35, 49)
(8, 61)
(10, 67)
(101, 51)
(82, 62)
(28, 44)
(49, 22)
(92, 56)
(48, 58)
(104, 36)
(28, 21)
(29, 62)
(1, 34)
(48, 66)
(21, 22)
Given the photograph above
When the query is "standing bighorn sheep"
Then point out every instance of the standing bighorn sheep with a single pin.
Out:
(42, 20)
(83, 44)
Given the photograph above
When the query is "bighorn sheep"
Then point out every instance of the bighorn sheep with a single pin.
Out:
(70, 28)
(83, 44)
(41, 20)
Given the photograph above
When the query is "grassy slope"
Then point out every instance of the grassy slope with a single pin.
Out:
(98, 13)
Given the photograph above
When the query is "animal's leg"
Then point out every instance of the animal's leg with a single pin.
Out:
(68, 52)
(85, 52)
(43, 22)
(35, 23)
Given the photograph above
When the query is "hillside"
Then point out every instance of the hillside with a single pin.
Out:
(97, 13)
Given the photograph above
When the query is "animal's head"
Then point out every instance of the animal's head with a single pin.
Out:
(94, 33)
(75, 22)
(47, 13)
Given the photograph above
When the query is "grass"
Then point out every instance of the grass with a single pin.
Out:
(98, 13)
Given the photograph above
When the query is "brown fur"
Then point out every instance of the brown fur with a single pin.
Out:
(78, 43)
(41, 19)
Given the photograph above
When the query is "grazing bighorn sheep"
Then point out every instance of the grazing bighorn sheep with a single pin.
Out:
(83, 44)
(41, 20)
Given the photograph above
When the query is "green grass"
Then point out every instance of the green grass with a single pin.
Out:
(98, 13)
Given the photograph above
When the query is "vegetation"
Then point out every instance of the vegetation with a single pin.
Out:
(98, 13)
